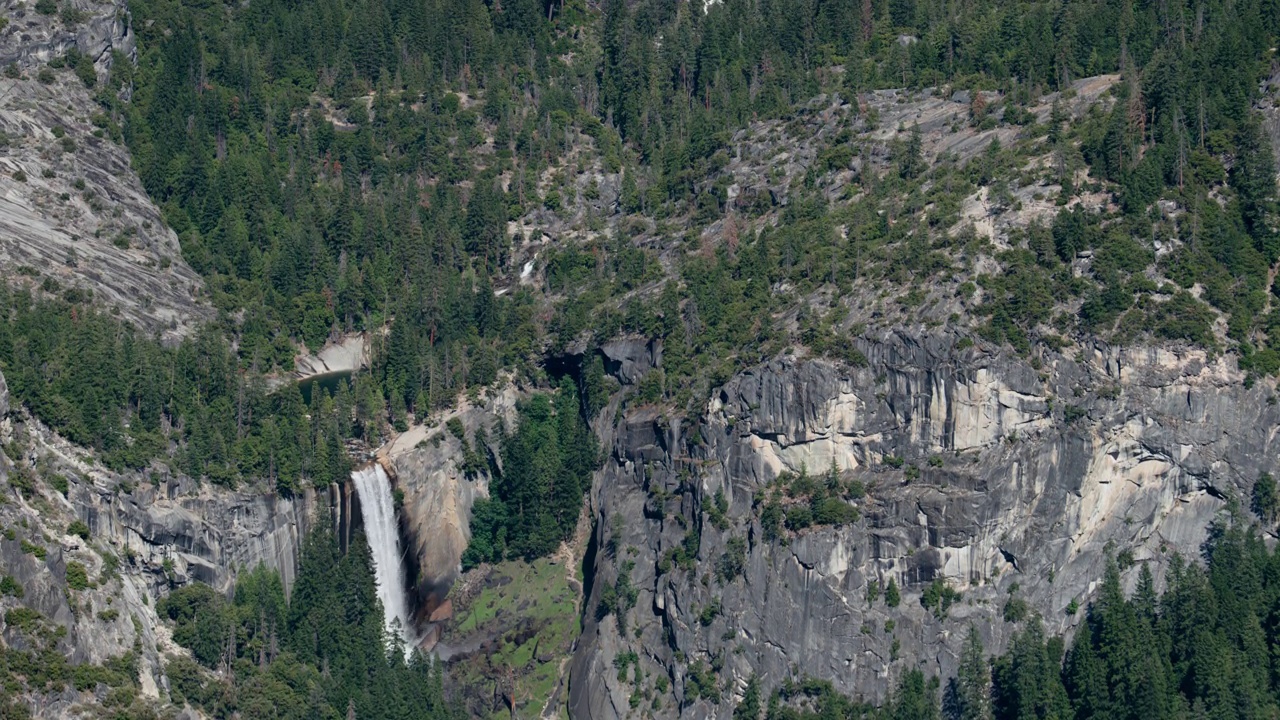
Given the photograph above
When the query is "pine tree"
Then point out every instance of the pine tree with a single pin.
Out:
(973, 681)
(1266, 500)
(891, 595)
(749, 708)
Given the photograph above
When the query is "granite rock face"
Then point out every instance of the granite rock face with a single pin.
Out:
(427, 464)
(984, 471)
(32, 39)
(628, 359)
(146, 533)
(74, 216)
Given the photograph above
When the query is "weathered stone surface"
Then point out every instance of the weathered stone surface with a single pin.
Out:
(426, 463)
(163, 530)
(347, 354)
(71, 207)
(32, 39)
(4, 397)
(628, 359)
(1012, 474)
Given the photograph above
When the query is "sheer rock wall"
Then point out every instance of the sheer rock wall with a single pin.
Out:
(1026, 473)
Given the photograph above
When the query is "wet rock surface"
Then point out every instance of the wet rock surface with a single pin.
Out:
(429, 467)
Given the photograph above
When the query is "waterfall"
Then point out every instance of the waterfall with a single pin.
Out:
(379, 512)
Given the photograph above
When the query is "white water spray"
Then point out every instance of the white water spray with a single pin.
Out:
(379, 512)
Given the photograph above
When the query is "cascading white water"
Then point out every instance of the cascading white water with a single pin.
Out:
(379, 512)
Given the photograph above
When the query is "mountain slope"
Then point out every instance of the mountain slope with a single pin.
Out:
(891, 319)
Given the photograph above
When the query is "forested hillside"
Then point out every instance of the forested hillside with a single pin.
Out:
(492, 191)
(321, 654)
(349, 166)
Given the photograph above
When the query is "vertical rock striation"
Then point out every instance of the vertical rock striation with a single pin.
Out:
(984, 471)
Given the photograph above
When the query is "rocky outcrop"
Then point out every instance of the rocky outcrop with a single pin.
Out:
(202, 534)
(142, 534)
(1269, 108)
(73, 214)
(427, 463)
(93, 29)
(345, 355)
(997, 475)
(628, 359)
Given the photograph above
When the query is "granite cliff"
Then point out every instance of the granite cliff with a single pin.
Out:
(74, 216)
(133, 536)
(1000, 476)
(1000, 480)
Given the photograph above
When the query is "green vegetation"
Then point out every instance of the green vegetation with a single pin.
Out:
(31, 548)
(353, 166)
(349, 165)
(104, 387)
(36, 664)
(534, 502)
(77, 576)
(795, 501)
(317, 655)
(938, 597)
(733, 561)
(1266, 499)
(618, 599)
(10, 587)
(531, 609)
(914, 698)
(892, 597)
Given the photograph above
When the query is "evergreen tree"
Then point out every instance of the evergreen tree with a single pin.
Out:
(973, 681)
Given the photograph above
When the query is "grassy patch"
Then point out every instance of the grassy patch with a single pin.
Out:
(520, 625)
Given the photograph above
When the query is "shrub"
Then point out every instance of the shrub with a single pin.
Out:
(771, 520)
(31, 548)
(23, 618)
(456, 428)
(717, 512)
(619, 598)
(79, 529)
(939, 597)
(799, 517)
(891, 595)
(733, 561)
(873, 591)
(1016, 610)
(72, 17)
(77, 576)
(709, 613)
(833, 511)
(10, 587)
(700, 683)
